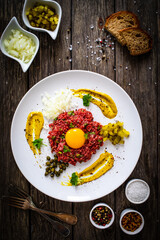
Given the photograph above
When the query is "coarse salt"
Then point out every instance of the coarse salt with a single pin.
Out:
(137, 191)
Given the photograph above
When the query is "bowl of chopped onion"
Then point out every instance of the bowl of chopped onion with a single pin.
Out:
(42, 15)
(19, 44)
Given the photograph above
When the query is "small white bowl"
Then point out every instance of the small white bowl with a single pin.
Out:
(124, 212)
(30, 3)
(13, 24)
(137, 194)
(99, 226)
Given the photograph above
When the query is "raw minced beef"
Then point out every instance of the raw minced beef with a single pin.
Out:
(82, 119)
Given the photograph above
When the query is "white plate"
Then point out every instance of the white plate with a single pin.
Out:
(126, 156)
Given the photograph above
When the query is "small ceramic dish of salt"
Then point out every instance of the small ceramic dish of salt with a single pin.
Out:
(137, 191)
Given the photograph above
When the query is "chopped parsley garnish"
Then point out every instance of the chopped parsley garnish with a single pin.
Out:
(66, 149)
(99, 140)
(38, 143)
(62, 136)
(86, 100)
(99, 127)
(79, 155)
(55, 118)
(71, 125)
(92, 133)
(71, 113)
(86, 135)
(53, 137)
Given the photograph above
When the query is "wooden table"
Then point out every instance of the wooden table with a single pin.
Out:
(138, 76)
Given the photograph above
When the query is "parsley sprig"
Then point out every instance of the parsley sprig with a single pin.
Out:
(75, 180)
(38, 143)
(86, 100)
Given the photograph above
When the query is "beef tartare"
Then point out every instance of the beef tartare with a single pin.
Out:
(83, 120)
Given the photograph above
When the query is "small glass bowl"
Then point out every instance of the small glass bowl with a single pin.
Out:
(13, 24)
(132, 185)
(30, 3)
(100, 226)
(123, 213)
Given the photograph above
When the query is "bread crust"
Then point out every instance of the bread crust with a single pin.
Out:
(120, 39)
(138, 52)
(119, 13)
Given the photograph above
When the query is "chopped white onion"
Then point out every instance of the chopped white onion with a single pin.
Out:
(61, 102)
(20, 46)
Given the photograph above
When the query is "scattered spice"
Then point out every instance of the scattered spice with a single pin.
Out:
(131, 221)
(102, 215)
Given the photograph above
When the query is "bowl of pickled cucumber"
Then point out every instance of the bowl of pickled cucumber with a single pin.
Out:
(42, 16)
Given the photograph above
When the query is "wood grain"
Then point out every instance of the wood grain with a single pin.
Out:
(138, 76)
(14, 223)
(53, 57)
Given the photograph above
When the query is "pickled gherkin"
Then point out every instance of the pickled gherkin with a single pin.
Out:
(42, 16)
(114, 132)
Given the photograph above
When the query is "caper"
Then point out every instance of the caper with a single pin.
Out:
(60, 166)
(47, 168)
(67, 164)
(54, 165)
(60, 170)
(48, 158)
(53, 170)
(49, 171)
(51, 161)
(64, 168)
(57, 174)
(48, 163)
(46, 173)
(52, 175)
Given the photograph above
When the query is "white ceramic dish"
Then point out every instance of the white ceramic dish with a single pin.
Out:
(128, 210)
(137, 191)
(99, 226)
(30, 3)
(126, 156)
(13, 24)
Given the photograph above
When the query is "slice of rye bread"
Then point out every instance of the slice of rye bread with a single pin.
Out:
(118, 21)
(137, 40)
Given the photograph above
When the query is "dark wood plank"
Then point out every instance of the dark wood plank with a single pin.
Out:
(87, 55)
(157, 179)
(14, 222)
(53, 56)
(138, 76)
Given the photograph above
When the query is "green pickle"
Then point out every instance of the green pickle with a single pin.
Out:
(42, 16)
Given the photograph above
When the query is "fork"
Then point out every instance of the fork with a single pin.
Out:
(59, 227)
(68, 218)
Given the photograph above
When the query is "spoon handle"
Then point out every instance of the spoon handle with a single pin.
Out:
(59, 227)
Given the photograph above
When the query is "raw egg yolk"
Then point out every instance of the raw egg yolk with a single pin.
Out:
(75, 138)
